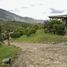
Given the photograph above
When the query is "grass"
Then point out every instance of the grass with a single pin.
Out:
(7, 52)
(41, 37)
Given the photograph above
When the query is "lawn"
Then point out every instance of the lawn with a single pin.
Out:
(41, 37)
(7, 52)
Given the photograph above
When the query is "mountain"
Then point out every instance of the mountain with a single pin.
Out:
(8, 16)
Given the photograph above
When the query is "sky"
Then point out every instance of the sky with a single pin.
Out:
(37, 9)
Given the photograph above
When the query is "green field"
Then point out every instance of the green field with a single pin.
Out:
(7, 52)
(41, 37)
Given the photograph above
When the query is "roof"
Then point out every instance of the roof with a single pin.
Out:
(58, 16)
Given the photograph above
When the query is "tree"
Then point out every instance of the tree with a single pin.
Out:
(56, 27)
(8, 36)
(1, 36)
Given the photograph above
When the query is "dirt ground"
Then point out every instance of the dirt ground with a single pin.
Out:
(41, 55)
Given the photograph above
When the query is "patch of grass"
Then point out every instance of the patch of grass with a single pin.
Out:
(41, 37)
(7, 52)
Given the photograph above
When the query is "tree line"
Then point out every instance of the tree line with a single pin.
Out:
(15, 29)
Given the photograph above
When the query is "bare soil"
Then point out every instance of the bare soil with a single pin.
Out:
(41, 55)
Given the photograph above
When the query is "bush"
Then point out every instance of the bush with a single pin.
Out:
(30, 31)
(56, 27)
(15, 35)
(46, 30)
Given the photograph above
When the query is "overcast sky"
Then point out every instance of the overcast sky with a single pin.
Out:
(38, 9)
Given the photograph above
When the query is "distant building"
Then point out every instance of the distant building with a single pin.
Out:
(61, 18)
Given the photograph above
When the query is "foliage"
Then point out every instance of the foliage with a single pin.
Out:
(56, 27)
(41, 37)
(7, 52)
(15, 34)
(1, 35)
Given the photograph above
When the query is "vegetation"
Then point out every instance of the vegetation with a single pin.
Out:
(41, 37)
(50, 32)
(17, 29)
(7, 28)
(7, 52)
(55, 27)
(1, 36)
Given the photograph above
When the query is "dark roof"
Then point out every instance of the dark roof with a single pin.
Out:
(58, 16)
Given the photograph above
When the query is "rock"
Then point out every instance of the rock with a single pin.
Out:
(6, 61)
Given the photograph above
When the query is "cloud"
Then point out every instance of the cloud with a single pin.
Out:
(40, 4)
(32, 5)
(24, 7)
(37, 4)
(15, 10)
(44, 12)
(56, 11)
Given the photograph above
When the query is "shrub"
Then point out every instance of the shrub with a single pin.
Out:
(56, 27)
(15, 35)
(30, 31)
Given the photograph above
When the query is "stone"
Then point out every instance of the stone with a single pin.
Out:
(6, 61)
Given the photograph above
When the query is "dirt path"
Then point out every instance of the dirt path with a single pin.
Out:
(41, 55)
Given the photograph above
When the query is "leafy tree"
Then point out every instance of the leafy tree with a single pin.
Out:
(56, 27)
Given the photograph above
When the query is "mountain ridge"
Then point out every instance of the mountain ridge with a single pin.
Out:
(9, 16)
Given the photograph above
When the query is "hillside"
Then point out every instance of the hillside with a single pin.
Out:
(8, 16)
